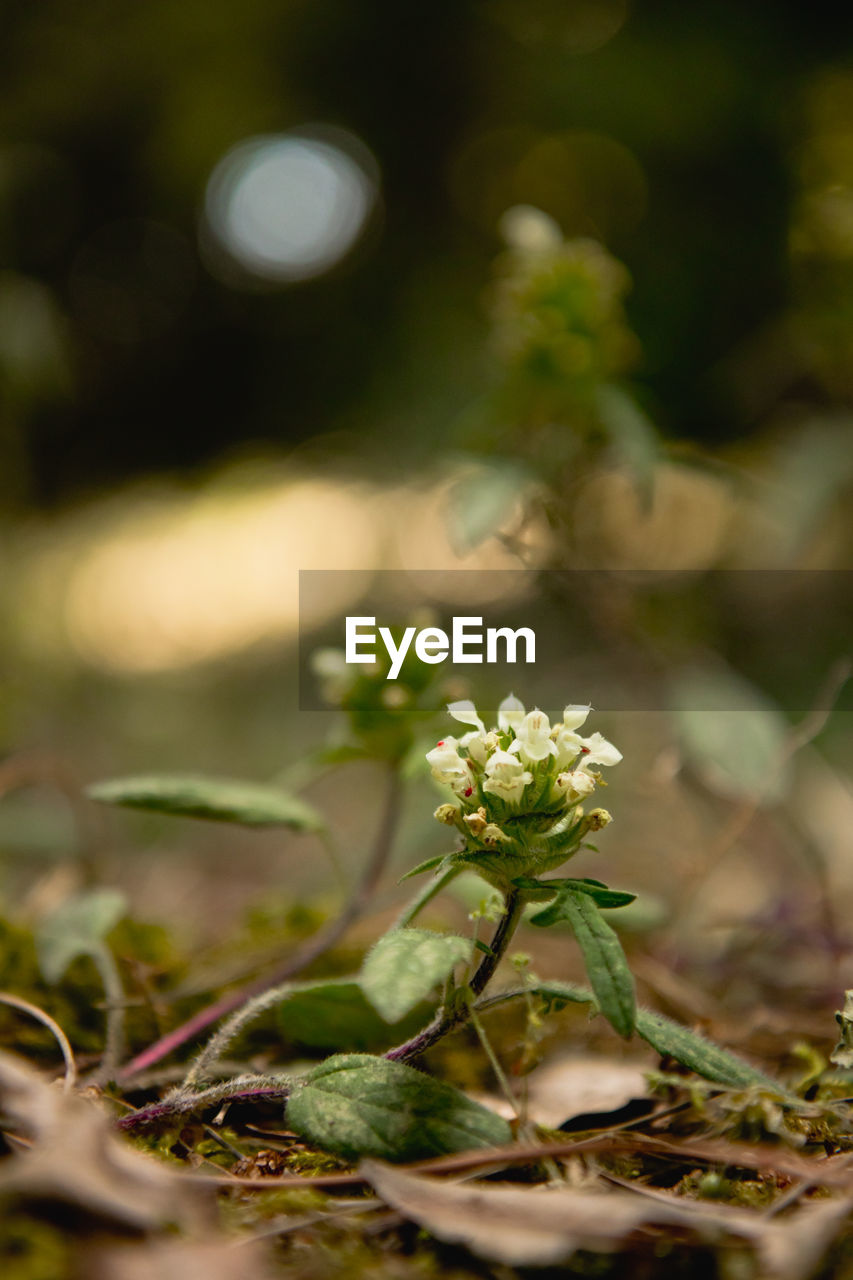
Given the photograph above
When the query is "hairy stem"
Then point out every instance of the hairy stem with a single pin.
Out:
(448, 1019)
(322, 941)
(185, 1102)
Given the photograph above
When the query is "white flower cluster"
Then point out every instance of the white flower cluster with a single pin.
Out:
(525, 763)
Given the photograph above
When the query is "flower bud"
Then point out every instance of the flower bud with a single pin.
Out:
(597, 819)
(448, 814)
(476, 822)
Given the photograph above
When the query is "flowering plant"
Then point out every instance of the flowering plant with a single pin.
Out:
(519, 788)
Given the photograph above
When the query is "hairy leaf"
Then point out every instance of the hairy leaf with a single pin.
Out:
(217, 799)
(77, 928)
(699, 1054)
(667, 1037)
(355, 1104)
(405, 966)
(430, 864)
(603, 956)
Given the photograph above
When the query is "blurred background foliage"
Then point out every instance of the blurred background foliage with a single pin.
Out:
(554, 284)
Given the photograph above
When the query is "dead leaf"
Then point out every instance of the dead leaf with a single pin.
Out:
(578, 1086)
(178, 1260)
(75, 1157)
(520, 1226)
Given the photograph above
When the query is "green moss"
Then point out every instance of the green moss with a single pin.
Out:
(31, 1249)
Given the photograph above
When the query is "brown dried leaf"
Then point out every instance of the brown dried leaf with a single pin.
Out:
(575, 1086)
(179, 1260)
(75, 1157)
(520, 1226)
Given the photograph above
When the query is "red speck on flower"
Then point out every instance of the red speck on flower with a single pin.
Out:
(469, 791)
(584, 750)
(441, 743)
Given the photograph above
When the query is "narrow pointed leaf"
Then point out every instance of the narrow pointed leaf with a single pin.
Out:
(357, 1105)
(608, 899)
(604, 958)
(430, 864)
(665, 1036)
(405, 966)
(217, 799)
(699, 1054)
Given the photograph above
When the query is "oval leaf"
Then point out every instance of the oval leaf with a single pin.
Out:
(77, 928)
(357, 1105)
(217, 799)
(405, 965)
(336, 1015)
(603, 956)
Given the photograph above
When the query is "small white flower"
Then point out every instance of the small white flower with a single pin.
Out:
(573, 786)
(506, 776)
(466, 713)
(479, 745)
(533, 737)
(574, 715)
(510, 713)
(445, 761)
(597, 750)
(567, 744)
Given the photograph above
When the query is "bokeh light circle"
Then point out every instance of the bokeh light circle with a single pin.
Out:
(288, 207)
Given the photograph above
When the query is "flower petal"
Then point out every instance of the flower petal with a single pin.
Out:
(574, 715)
(510, 713)
(466, 713)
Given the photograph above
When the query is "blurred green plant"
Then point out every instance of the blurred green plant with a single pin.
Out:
(562, 405)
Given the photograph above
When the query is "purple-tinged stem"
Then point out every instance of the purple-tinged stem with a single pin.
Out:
(170, 1108)
(321, 942)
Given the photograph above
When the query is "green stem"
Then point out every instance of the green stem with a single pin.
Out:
(500, 1074)
(322, 941)
(448, 1019)
(115, 1003)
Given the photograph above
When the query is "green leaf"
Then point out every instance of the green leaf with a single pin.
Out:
(699, 1054)
(337, 1015)
(218, 799)
(482, 500)
(609, 899)
(665, 1036)
(404, 967)
(429, 865)
(357, 1105)
(603, 956)
(77, 928)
